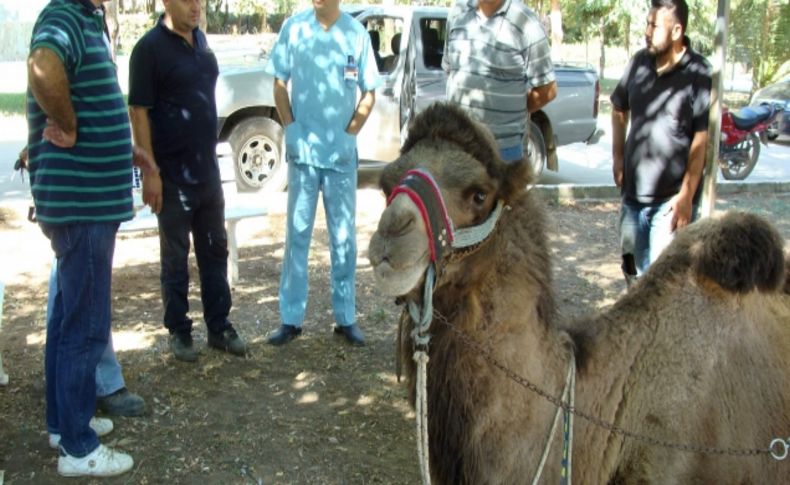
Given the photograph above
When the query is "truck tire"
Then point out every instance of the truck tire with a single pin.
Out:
(258, 155)
(536, 146)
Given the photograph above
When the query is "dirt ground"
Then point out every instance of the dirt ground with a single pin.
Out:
(316, 411)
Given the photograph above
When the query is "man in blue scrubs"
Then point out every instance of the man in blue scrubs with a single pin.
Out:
(326, 55)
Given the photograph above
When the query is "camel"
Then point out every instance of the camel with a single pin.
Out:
(696, 352)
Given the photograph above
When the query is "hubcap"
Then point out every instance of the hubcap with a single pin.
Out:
(258, 160)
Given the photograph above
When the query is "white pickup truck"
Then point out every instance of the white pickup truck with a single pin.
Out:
(409, 43)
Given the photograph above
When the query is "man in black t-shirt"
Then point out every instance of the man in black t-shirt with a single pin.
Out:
(665, 92)
(172, 76)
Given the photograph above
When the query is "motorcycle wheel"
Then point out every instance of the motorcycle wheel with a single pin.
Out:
(735, 170)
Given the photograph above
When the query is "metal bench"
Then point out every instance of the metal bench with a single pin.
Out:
(145, 220)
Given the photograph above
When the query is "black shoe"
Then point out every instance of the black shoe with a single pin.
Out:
(121, 403)
(228, 341)
(284, 334)
(352, 333)
(181, 346)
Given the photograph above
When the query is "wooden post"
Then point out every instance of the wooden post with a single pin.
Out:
(708, 200)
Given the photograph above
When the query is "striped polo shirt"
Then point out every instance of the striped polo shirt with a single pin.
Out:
(491, 63)
(91, 181)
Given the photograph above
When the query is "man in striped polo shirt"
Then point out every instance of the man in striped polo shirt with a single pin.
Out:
(80, 159)
(499, 68)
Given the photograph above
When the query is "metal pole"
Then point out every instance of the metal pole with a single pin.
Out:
(708, 201)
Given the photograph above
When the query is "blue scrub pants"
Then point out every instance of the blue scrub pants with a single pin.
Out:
(339, 191)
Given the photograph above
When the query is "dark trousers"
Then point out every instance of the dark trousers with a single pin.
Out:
(199, 210)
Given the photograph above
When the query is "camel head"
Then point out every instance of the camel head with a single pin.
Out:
(448, 178)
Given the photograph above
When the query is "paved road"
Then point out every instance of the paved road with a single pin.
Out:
(579, 163)
(591, 164)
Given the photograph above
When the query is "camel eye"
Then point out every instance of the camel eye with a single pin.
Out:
(480, 197)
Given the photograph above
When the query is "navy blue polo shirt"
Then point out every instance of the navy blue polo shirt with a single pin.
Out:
(176, 82)
(666, 111)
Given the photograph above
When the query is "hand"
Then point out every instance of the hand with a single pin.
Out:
(59, 137)
(152, 191)
(681, 212)
(141, 159)
(22, 159)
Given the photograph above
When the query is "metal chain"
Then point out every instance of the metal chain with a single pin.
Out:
(687, 447)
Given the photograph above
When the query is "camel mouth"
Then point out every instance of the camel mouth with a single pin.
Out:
(400, 279)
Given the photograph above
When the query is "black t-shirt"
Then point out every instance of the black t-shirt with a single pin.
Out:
(176, 82)
(666, 111)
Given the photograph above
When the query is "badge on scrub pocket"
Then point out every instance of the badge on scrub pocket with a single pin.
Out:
(351, 71)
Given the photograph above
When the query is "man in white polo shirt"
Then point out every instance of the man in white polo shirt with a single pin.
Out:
(499, 68)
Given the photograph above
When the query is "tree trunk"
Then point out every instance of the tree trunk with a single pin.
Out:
(203, 17)
(765, 47)
(113, 27)
(556, 23)
(602, 61)
(628, 37)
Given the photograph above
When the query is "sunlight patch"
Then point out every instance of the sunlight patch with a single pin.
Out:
(365, 400)
(36, 338)
(125, 340)
(308, 398)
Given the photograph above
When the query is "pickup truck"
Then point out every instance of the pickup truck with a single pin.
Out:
(412, 79)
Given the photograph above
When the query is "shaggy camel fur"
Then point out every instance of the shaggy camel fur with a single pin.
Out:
(696, 352)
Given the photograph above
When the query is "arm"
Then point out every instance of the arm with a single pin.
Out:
(619, 124)
(152, 182)
(360, 116)
(540, 96)
(50, 87)
(283, 102)
(682, 202)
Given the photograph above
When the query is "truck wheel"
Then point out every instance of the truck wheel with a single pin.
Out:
(258, 155)
(536, 146)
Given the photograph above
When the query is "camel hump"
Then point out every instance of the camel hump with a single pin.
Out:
(740, 252)
(443, 121)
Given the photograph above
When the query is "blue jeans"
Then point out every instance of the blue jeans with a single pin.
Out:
(78, 329)
(645, 230)
(339, 191)
(109, 377)
(512, 154)
(199, 209)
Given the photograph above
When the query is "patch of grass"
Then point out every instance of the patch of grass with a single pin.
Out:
(12, 103)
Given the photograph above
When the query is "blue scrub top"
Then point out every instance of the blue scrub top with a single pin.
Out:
(324, 68)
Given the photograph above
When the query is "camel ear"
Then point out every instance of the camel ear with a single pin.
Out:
(517, 177)
(740, 251)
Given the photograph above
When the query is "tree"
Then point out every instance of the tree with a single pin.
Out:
(760, 29)
(114, 27)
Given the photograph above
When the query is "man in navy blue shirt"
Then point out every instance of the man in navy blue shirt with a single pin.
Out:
(172, 75)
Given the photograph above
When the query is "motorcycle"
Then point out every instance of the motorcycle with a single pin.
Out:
(741, 134)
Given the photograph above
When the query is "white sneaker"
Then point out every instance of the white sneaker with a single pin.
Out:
(101, 462)
(101, 426)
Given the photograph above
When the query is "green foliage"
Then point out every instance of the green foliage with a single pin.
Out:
(702, 25)
(12, 104)
(133, 26)
(760, 32)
